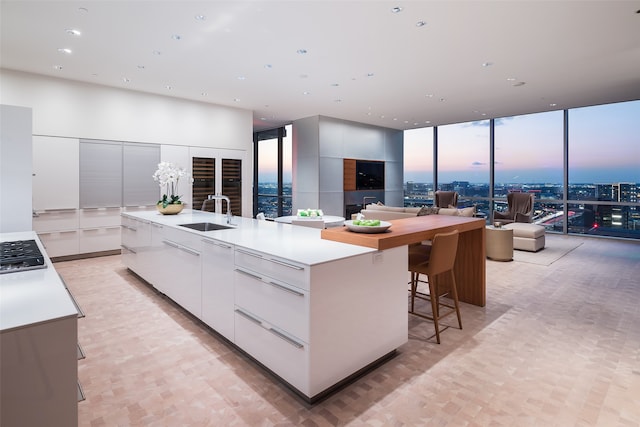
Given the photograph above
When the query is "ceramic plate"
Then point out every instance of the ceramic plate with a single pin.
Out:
(367, 229)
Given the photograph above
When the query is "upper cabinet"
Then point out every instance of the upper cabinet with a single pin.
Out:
(139, 162)
(56, 180)
(114, 174)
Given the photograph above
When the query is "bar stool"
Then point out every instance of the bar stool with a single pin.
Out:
(433, 261)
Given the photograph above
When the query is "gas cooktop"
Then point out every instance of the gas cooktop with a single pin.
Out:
(20, 255)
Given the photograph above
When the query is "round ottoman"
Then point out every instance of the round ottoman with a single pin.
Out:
(499, 243)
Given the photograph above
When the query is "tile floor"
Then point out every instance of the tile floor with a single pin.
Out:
(556, 345)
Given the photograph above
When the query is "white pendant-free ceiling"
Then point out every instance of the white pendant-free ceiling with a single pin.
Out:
(402, 65)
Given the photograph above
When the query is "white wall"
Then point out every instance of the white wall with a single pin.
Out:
(64, 108)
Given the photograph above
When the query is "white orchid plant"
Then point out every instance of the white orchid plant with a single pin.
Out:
(168, 175)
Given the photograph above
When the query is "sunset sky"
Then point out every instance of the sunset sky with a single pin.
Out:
(604, 146)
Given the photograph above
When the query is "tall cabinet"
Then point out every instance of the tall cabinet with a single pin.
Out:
(15, 168)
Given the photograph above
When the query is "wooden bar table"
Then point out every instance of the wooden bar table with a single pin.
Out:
(470, 266)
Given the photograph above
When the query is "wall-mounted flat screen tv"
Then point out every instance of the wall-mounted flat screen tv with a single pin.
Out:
(369, 175)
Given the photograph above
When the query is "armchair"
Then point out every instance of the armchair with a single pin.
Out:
(520, 209)
(445, 199)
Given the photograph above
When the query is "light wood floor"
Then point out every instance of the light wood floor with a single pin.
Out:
(556, 345)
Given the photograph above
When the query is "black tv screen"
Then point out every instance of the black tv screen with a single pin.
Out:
(369, 175)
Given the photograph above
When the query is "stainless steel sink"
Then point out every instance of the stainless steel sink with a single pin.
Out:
(205, 226)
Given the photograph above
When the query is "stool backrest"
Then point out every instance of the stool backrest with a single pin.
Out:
(443, 252)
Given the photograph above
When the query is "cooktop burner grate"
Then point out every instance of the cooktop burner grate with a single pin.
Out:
(20, 255)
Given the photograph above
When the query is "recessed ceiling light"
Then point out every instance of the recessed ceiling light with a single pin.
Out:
(200, 17)
(204, 93)
(519, 84)
(427, 121)
(396, 9)
(302, 51)
(176, 36)
(370, 74)
(140, 67)
(242, 78)
(441, 99)
(511, 79)
(337, 100)
(306, 92)
(157, 52)
(335, 84)
(72, 32)
(169, 87)
(64, 50)
(57, 67)
(236, 99)
(487, 64)
(553, 104)
(126, 80)
(421, 24)
(268, 66)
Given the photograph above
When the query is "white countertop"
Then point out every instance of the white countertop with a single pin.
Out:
(33, 296)
(299, 244)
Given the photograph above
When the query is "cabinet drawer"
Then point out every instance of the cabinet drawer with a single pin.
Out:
(279, 269)
(99, 239)
(56, 220)
(285, 356)
(99, 217)
(277, 302)
(60, 243)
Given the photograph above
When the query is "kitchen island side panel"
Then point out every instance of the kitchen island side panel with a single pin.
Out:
(358, 314)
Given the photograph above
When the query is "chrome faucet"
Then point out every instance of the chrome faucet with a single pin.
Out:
(220, 197)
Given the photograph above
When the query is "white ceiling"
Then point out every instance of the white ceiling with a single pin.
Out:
(363, 63)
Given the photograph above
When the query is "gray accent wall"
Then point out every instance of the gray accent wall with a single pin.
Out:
(319, 146)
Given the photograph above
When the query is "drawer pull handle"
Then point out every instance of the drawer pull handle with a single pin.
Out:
(128, 227)
(127, 248)
(170, 243)
(249, 253)
(246, 273)
(189, 251)
(286, 264)
(211, 242)
(284, 288)
(291, 341)
(156, 225)
(248, 316)
(61, 210)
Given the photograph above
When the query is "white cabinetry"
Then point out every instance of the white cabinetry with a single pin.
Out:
(136, 240)
(99, 229)
(58, 230)
(272, 314)
(182, 279)
(56, 168)
(313, 318)
(217, 286)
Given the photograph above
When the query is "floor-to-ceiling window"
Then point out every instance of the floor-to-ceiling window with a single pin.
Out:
(273, 157)
(604, 170)
(583, 165)
(463, 162)
(528, 157)
(418, 167)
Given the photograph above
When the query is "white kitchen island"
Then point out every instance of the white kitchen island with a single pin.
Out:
(312, 311)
